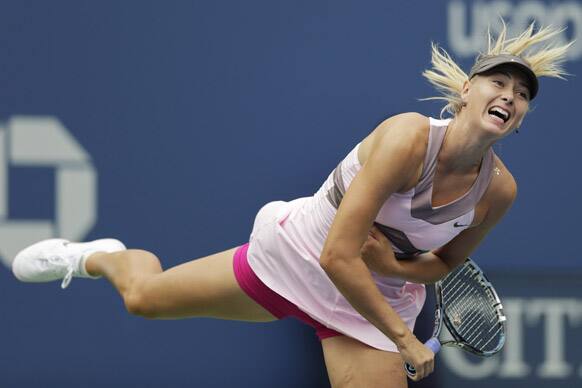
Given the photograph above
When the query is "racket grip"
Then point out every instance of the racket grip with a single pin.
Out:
(434, 345)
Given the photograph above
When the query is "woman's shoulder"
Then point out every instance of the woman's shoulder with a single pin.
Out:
(410, 129)
(409, 126)
(499, 196)
(403, 136)
(503, 187)
(411, 120)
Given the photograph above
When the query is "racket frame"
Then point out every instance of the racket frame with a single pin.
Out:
(434, 343)
(441, 316)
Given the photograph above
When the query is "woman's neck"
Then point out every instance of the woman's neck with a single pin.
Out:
(463, 148)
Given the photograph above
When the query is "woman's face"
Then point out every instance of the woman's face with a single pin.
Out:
(498, 100)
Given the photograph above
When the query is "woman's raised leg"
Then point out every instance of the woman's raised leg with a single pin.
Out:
(203, 287)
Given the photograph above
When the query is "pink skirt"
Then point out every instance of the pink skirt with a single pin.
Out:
(270, 300)
(283, 253)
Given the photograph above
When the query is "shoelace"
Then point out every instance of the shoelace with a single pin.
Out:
(70, 267)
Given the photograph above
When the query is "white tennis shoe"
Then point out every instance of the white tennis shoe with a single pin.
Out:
(57, 258)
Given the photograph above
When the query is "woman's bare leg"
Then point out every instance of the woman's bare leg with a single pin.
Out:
(352, 364)
(204, 287)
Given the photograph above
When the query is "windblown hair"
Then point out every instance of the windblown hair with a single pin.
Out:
(546, 61)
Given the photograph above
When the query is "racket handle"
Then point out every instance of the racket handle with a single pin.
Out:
(434, 345)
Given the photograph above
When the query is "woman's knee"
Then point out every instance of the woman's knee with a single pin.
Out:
(136, 297)
(351, 363)
(346, 378)
(138, 302)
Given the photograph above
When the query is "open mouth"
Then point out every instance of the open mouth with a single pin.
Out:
(500, 113)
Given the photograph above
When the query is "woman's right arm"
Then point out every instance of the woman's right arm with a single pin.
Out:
(393, 164)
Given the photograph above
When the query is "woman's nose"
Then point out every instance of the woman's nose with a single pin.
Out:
(508, 99)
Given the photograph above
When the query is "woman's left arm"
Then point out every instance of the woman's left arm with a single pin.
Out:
(429, 267)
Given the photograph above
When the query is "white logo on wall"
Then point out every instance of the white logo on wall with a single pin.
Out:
(44, 142)
(467, 22)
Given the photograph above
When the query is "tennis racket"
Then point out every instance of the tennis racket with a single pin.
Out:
(471, 310)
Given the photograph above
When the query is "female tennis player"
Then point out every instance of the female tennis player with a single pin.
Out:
(416, 188)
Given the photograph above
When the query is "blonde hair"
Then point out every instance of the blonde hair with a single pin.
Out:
(449, 78)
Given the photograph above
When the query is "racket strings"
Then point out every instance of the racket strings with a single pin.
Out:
(478, 325)
(468, 315)
(471, 308)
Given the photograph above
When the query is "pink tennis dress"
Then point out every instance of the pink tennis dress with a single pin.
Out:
(288, 238)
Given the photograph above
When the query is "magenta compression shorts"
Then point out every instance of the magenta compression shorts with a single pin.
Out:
(269, 299)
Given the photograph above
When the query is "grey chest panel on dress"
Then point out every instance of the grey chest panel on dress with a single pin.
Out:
(421, 207)
(421, 203)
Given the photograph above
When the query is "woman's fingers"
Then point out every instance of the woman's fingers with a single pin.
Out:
(419, 356)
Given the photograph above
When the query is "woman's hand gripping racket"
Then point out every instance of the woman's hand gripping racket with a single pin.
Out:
(471, 310)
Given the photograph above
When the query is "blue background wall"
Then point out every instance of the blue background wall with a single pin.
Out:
(195, 114)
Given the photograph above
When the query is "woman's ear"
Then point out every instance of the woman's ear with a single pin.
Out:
(465, 91)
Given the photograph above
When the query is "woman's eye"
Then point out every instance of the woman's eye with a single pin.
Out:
(497, 82)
